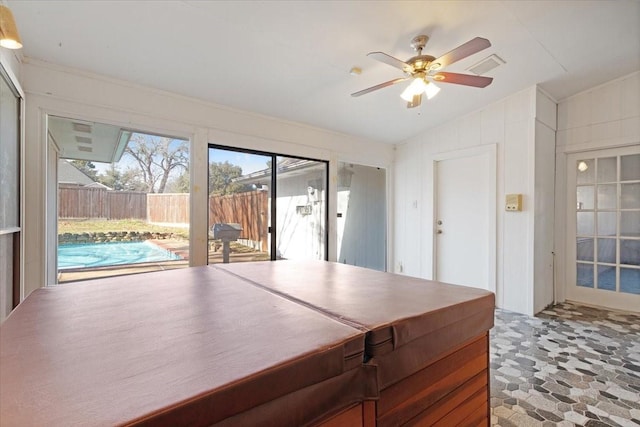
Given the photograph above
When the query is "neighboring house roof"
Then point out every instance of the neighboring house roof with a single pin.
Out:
(98, 185)
(286, 167)
(69, 174)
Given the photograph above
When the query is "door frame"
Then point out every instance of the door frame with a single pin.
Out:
(489, 150)
(572, 292)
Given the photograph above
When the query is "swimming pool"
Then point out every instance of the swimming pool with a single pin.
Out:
(113, 253)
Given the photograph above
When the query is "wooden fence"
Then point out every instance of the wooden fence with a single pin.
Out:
(249, 209)
(168, 208)
(83, 202)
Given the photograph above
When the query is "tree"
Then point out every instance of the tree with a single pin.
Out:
(179, 184)
(129, 180)
(221, 176)
(86, 167)
(157, 158)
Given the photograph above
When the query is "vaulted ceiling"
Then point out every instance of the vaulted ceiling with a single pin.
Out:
(291, 59)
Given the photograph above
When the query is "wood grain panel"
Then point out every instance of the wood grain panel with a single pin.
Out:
(351, 417)
(464, 410)
(478, 418)
(444, 410)
(405, 400)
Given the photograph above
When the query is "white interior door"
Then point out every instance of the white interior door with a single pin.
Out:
(465, 216)
(603, 228)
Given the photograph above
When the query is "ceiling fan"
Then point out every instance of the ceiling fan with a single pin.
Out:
(424, 69)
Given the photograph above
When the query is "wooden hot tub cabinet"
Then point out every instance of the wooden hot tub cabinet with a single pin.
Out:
(270, 344)
(428, 341)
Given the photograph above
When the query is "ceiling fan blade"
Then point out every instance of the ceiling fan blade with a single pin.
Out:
(380, 86)
(415, 102)
(462, 79)
(462, 51)
(390, 60)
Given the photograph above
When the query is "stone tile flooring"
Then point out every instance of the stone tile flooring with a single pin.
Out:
(569, 366)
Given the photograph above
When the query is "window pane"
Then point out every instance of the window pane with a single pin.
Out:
(630, 167)
(9, 158)
(606, 277)
(607, 250)
(361, 194)
(629, 252)
(630, 280)
(585, 223)
(585, 196)
(630, 224)
(584, 276)
(607, 169)
(128, 216)
(607, 196)
(301, 196)
(239, 206)
(586, 171)
(607, 223)
(630, 197)
(584, 250)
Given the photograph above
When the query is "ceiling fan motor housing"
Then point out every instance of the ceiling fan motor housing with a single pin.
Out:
(420, 63)
(419, 42)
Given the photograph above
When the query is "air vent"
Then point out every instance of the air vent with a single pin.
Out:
(86, 149)
(83, 140)
(81, 127)
(486, 65)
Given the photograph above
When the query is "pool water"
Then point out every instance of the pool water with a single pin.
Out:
(114, 253)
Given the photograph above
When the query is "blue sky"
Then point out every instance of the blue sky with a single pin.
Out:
(248, 162)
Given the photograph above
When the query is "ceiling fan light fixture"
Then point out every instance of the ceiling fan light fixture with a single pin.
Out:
(431, 90)
(416, 87)
(9, 36)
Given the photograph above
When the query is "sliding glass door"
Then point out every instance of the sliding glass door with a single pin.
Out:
(265, 207)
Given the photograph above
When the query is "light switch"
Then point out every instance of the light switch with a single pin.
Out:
(513, 202)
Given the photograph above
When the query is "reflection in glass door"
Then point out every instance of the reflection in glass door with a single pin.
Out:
(607, 228)
(301, 213)
(361, 224)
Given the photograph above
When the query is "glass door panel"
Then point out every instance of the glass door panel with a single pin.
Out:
(239, 206)
(362, 223)
(606, 226)
(301, 213)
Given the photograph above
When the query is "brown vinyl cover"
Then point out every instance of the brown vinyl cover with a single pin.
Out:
(182, 347)
(395, 310)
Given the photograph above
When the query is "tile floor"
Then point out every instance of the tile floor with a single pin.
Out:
(569, 366)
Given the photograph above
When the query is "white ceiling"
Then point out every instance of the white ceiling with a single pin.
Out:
(292, 59)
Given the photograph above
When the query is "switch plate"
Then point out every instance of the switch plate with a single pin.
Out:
(513, 202)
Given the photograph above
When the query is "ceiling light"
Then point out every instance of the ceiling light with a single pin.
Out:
(417, 86)
(9, 36)
(431, 90)
(583, 166)
(355, 71)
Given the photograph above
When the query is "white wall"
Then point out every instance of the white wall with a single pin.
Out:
(72, 93)
(520, 136)
(606, 116)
